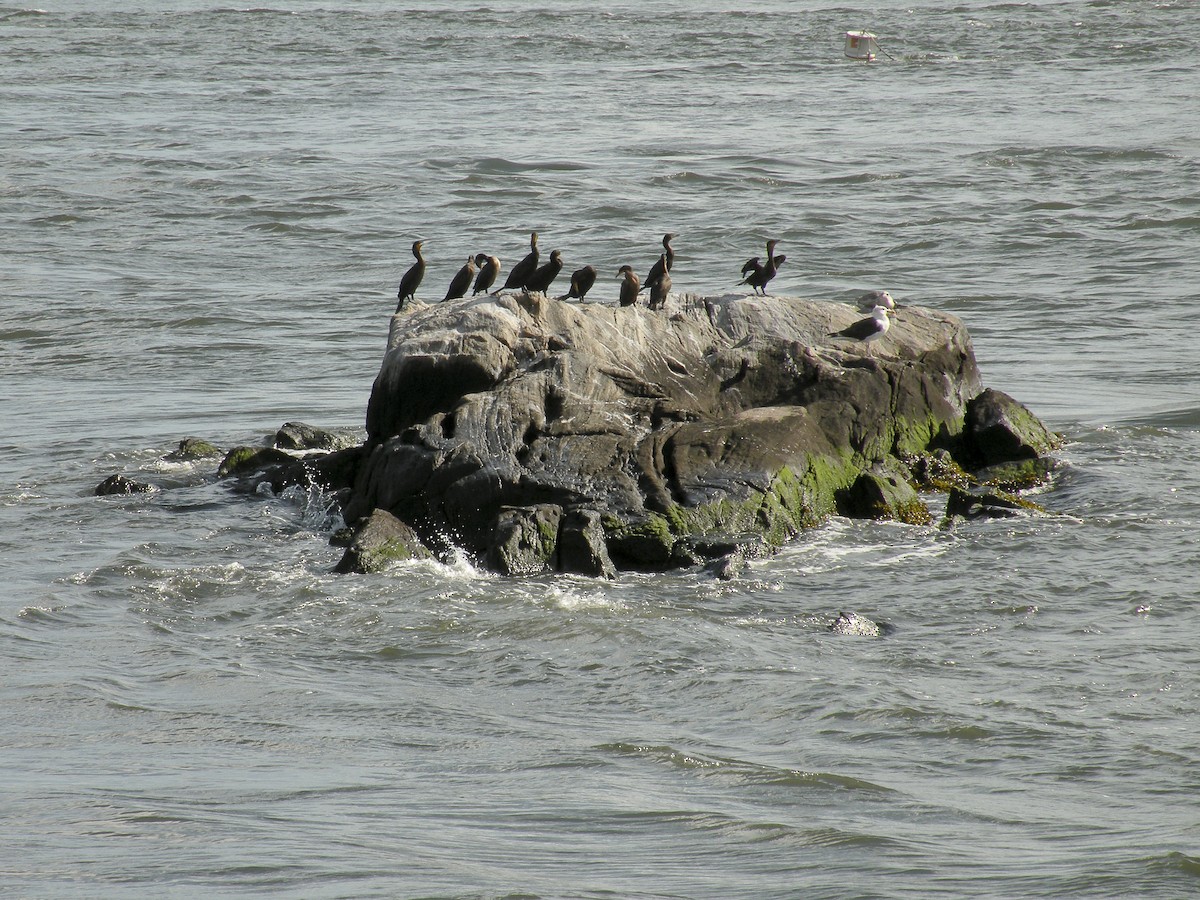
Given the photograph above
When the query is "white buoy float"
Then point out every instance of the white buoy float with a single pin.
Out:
(861, 45)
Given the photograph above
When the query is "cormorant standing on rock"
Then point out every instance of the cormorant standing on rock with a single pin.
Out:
(412, 278)
(629, 287)
(462, 281)
(663, 263)
(521, 271)
(759, 274)
(867, 330)
(661, 286)
(581, 282)
(545, 275)
(489, 268)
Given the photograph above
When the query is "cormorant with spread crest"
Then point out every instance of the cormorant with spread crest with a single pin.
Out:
(461, 281)
(545, 275)
(526, 267)
(629, 286)
(412, 278)
(581, 282)
(759, 274)
(489, 268)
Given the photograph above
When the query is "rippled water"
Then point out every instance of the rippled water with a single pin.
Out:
(204, 213)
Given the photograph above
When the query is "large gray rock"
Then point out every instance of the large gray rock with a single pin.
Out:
(723, 415)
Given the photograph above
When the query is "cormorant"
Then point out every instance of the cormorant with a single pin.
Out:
(629, 287)
(867, 330)
(581, 282)
(412, 278)
(521, 271)
(489, 268)
(663, 263)
(661, 285)
(545, 275)
(758, 274)
(461, 281)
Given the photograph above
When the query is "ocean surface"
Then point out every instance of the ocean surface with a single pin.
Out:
(205, 209)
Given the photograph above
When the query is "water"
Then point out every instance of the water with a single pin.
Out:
(205, 210)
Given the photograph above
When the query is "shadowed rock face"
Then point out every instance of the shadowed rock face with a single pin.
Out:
(718, 415)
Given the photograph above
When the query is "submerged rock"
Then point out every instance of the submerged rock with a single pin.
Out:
(854, 625)
(648, 432)
(120, 484)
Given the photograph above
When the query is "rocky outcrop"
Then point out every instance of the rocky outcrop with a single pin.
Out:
(540, 435)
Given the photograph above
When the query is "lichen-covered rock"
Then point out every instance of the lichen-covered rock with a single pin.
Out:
(241, 460)
(192, 449)
(299, 436)
(525, 540)
(882, 494)
(999, 429)
(378, 541)
(1018, 475)
(728, 415)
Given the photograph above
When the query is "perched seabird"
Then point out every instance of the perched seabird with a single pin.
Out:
(489, 268)
(581, 282)
(412, 278)
(867, 330)
(629, 286)
(758, 274)
(461, 281)
(521, 271)
(872, 299)
(664, 262)
(661, 286)
(545, 275)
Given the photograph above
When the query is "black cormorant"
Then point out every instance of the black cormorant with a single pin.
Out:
(521, 271)
(545, 275)
(664, 262)
(412, 278)
(462, 281)
(630, 286)
(489, 268)
(758, 273)
(581, 282)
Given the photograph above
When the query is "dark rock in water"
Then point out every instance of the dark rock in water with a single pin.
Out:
(881, 494)
(854, 625)
(978, 502)
(298, 436)
(733, 415)
(119, 484)
(582, 549)
(193, 448)
(999, 429)
(525, 540)
(378, 541)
